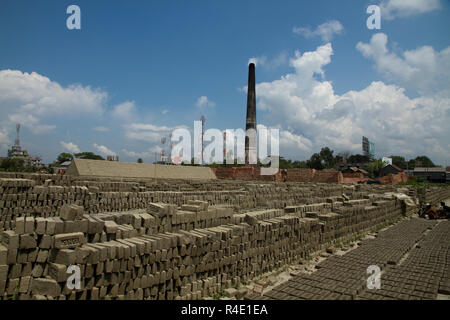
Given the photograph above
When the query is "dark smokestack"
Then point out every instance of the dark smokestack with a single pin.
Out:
(250, 148)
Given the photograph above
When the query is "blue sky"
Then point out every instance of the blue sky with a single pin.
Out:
(137, 69)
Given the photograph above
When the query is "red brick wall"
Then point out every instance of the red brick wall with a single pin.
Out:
(224, 173)
(293, 175)
(353, 175)
(328, 176)
(394, 178)
(244, 173)
(275, 177)
(300, 175)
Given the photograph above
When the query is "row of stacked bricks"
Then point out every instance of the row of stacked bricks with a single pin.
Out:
(23, 197)
(130, 256)
(434, 195)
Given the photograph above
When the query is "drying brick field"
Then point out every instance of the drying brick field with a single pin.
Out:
(178, 239)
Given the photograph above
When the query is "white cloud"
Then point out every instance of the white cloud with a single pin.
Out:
(30, 98)
(69, 146)
(150, 154)
(4, 139)
(104, 151)
(422, 69)
(149, 126)
(391, 9)
(277, 61)
(125, 111)
(325, 31)
(311, 115)
(165, 111)
(203, 101)
(155, 149)
(148, 136)
(288, 140)
(101, 129)
(258, 60)
(148, 132)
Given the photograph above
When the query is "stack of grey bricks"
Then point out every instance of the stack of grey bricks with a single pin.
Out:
(140, 240)
(163, 252)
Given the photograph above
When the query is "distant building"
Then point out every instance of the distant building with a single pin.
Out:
(112, 158)
(433, 174)
(359, 165)
(65, 164)
(35, 161)
(62, 167)
(355, 170)
(390, 169)
(17, 152)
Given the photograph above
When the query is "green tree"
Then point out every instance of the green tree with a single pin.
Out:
(374, 167)
(399, 162)
(326, 155)
(139, 160)
(88, 155)
(344, 155)
(411, 164)
(424, 161)
(358, 158)
(285, 164)
(13, 164)
(299, 164)
(315, 162)
(64, 156)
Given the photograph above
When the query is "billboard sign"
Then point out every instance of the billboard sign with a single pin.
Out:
(368, 148)
(387, 160)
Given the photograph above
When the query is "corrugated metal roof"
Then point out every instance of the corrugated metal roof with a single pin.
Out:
(432, 169)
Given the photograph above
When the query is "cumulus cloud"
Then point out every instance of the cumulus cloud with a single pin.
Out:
(125, 111)
(273, 63)
(391, 9)
(287, 140)
(148, 132)
(103, 150)
(30, 99)
(150, 154)
(423, 69)
(69, 146)
(4, 139)
(203, 102)
(325, 31)
(304, 105)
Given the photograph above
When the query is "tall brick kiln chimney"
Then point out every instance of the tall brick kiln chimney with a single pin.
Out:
(250, 149)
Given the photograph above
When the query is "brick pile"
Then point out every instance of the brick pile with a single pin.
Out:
(165, 253)
(183, 241)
